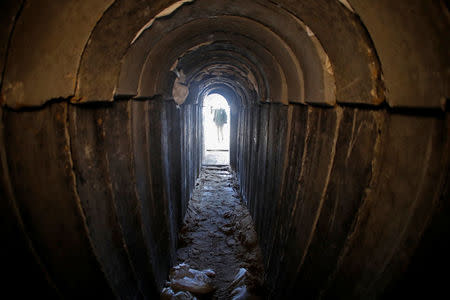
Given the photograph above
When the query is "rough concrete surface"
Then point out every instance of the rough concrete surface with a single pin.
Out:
(50, 42)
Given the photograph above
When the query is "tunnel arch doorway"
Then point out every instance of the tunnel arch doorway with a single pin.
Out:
(216, 130)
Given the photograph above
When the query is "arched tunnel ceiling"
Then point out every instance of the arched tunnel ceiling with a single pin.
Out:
(262, 26)
(221, 52)
(288, 62)
(73, 49)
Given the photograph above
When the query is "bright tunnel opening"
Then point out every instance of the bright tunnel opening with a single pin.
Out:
(216, 130)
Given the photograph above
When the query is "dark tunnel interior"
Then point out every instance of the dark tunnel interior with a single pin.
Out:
(339, 139)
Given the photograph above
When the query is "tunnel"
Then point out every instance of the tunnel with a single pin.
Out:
(339, 138)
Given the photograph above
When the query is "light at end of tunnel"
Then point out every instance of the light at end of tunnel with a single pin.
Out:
(216, 130)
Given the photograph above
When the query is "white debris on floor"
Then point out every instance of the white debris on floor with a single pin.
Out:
(219, 257)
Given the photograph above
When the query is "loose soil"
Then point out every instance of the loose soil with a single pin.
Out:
(218, 232)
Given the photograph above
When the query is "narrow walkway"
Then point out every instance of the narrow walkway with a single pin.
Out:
(218, 233)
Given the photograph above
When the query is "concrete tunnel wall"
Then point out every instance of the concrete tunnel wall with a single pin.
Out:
(340, 139)
(106, 193)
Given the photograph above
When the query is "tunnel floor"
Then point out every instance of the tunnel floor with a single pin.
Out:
(218, 234)
(216, 158)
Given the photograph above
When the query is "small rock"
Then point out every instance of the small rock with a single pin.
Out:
(184, 229)
(167, 293)
(230, 242)
(227, 215)
(250, 240)
(246, 222)
(182, 254)
(210, 273)
(227, 229)
(183, 278)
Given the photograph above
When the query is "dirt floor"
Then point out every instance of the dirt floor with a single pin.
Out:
(218, 233)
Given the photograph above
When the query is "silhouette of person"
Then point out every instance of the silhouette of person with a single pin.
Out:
(220, 119)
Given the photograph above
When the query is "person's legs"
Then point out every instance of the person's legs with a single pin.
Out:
(218, 132)
(221, 131)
